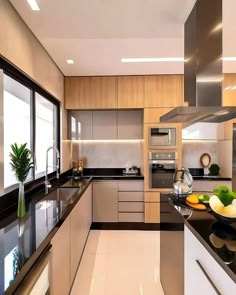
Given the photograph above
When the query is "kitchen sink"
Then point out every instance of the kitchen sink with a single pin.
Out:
(79, 177)
(64, 194)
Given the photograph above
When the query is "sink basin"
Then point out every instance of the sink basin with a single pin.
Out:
(63, 194)
(79, 177)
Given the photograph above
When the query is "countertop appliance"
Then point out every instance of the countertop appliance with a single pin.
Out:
(162, 137)
(183, 182)
(172, 245)
(162, 166)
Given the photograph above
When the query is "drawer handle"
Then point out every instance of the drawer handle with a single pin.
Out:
(208, 278)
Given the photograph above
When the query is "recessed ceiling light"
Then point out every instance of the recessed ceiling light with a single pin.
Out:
(232, 58)
(33, 4)
(152, 59)
(70, 61)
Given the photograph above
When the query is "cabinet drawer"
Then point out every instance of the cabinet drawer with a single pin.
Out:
(131, 196)
(131, 217)
(131, 206)
(133, 185)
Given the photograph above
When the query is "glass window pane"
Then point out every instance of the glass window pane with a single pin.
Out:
(45, 134)
(16, 112)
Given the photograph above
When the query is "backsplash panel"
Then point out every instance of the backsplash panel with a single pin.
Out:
(192, 152)
(109, 154)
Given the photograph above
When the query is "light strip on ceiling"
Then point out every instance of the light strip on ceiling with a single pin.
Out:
(152, 59)
(33, 4)
(232, 58)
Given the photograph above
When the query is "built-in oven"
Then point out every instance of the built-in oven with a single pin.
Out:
(162, 137)
(162, 166)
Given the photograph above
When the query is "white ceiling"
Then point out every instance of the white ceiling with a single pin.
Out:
(97, 34)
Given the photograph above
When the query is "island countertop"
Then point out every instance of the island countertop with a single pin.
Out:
(203, 225)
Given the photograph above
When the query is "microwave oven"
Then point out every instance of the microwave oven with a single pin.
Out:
(162, 137)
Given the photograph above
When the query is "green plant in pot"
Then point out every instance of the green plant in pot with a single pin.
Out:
(21, 162)
(214, 170)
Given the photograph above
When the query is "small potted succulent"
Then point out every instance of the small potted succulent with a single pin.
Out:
(214, 169)
(21, 162)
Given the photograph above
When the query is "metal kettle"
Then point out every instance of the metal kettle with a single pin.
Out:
(183, 182)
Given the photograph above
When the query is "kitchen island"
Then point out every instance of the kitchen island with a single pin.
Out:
(204, 249)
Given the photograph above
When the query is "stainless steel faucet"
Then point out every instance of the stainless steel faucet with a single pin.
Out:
(47, 183)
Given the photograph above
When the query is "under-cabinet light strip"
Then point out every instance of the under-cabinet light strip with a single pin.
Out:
(33, 4)
(232, 58)
(107, 140)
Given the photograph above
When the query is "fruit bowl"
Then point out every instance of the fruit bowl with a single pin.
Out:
(222, 218)
(225, 214)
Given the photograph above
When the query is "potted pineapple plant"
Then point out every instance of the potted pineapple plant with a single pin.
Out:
(21, 162)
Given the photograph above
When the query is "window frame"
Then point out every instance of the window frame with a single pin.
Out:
(16, 74)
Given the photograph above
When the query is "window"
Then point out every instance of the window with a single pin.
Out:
(30, 116)
(46, 133)
(16, 121)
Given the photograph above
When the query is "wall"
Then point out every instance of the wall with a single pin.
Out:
(20, 47)
(109, 154)
(192, 151)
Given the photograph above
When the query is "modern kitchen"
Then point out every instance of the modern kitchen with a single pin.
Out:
(118, 147)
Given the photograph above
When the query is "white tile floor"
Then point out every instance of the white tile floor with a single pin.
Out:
(119, 263)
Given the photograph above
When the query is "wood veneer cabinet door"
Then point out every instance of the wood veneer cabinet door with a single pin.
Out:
(152, 197)
(130, 92)
(60, 260)
(152, 212)
(228, 92)
(152, 115)
(103, 92)
(163, 91)
(77, 93)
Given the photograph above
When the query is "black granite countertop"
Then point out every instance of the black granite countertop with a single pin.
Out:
(213, 178)
(23, 241)
(207, 229)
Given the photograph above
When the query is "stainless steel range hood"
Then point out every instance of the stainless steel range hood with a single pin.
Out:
(202, 68)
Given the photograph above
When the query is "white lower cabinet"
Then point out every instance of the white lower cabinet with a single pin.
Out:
(68, 244)
(202, 274)
(105, 201)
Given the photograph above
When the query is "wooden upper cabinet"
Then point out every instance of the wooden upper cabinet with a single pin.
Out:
(228, 92)
(130, 92)
(163, 91)
(103, 92)
(152, 115)
(77, 93)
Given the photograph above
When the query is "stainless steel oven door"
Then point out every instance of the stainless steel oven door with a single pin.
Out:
(162, 173)
(37, 281)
